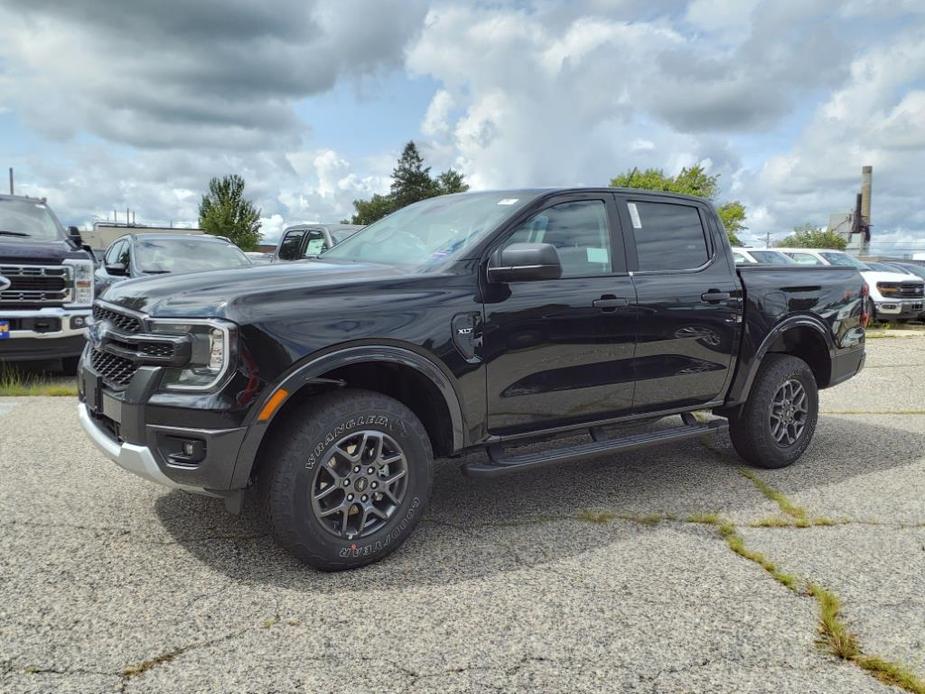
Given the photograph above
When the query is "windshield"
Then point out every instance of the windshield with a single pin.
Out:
(771, 258)
(186, 255)
(28, 219)
(341, 235)
(430, 233)
(844, 260)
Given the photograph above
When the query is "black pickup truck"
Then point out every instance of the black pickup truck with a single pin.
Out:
(46, 285)
(473, 321)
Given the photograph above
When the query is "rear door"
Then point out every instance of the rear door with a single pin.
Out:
(560, 351)
(688, 303)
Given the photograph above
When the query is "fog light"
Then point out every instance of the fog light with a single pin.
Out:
(78, 322)
(187, 451)
(189, 448)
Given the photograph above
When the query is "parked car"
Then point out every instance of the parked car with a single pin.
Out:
(910, 268)
(258, 258)
(46, 284)
(766, 256)
(463, 322)
(896, 296)
(141, 255)
(311, 240)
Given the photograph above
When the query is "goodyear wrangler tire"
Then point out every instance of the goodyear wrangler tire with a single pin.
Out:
(778, 421)
(348, 479)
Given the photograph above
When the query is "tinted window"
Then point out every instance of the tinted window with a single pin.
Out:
(740, 259)
(289, 248)
(771, 258)
(315, 245)
(112, 255)
(805, 258)
(844, 260)
(668, 237)
(579, 232)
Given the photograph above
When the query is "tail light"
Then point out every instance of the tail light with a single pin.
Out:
(865, 305)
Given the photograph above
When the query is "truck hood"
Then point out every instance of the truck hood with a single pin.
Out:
(241, 294)
(14, 249)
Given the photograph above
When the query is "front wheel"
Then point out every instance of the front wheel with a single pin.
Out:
(349, 479)
(777, 423)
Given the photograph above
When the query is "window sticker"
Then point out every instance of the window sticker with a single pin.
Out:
(508, 201)
(314, 247)
(598, 255)
(634, 215)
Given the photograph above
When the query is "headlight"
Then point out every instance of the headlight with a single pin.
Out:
(82, 279)
(211, 353)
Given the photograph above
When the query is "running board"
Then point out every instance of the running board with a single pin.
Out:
(501, 464)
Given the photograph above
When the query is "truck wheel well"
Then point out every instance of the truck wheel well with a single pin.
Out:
(808, 345)
(404, 383)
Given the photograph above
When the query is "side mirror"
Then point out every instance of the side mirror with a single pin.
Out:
(524, 262)
(73, 233)
(116, 269)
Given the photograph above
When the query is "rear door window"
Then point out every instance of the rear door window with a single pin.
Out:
(668, 236)
(289, 248)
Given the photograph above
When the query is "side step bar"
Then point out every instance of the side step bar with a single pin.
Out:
(501, 464)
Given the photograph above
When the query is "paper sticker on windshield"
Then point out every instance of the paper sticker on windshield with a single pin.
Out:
(314, 247)
(634, 215)
(508, 201)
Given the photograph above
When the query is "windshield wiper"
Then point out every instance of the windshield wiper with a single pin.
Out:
(4, 232)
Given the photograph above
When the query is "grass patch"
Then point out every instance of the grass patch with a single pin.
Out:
(780, 522)
(891, 673)
(145, 665)
(736, 543)
(774, 495)
(596, 517)
(16, 384)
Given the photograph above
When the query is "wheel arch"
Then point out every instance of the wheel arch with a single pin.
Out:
(398, 371)
(805, 337)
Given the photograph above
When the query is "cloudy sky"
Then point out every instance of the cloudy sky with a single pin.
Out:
(125, 103)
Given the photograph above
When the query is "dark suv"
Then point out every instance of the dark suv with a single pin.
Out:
(473, 321)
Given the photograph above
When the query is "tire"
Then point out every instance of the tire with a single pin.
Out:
(768, 432)
(316, 454)
(69, 365)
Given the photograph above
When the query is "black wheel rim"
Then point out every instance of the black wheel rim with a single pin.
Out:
(789, 410)
(360, 484)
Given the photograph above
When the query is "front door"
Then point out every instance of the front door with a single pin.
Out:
(560, 351)
(689, 303)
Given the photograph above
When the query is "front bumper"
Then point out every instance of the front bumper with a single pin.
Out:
(136, 459)
(142, 438)
(45, 333)
(892, 309)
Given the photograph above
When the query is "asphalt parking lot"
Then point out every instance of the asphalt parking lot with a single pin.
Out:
(636, 573)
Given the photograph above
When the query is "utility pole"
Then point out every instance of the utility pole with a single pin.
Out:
(11, 180)
(767, 240)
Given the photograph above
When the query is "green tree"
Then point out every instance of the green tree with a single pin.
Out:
(812, 236)
(694, 181)
(451, 181)
(224, 211)
(411, 182)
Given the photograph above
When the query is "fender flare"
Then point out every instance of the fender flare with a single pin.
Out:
(311, 371)
(742, 384)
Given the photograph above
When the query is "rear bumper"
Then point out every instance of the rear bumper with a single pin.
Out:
(46, 333)
(846, 365)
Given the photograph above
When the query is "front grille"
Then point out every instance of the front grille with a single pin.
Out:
(911, 290)
(36, 285)
(115, 371)
(121, 321)
(156, 349)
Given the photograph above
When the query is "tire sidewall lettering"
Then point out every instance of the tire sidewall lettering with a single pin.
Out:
(364, 550)
(379, 421)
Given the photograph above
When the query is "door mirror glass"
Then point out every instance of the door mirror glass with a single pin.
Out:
(524, 262)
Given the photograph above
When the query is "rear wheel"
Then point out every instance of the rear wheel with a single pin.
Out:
(777, 423)
(348, 480)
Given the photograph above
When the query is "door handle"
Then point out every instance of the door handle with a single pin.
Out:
(710, 297)
(609, 302)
